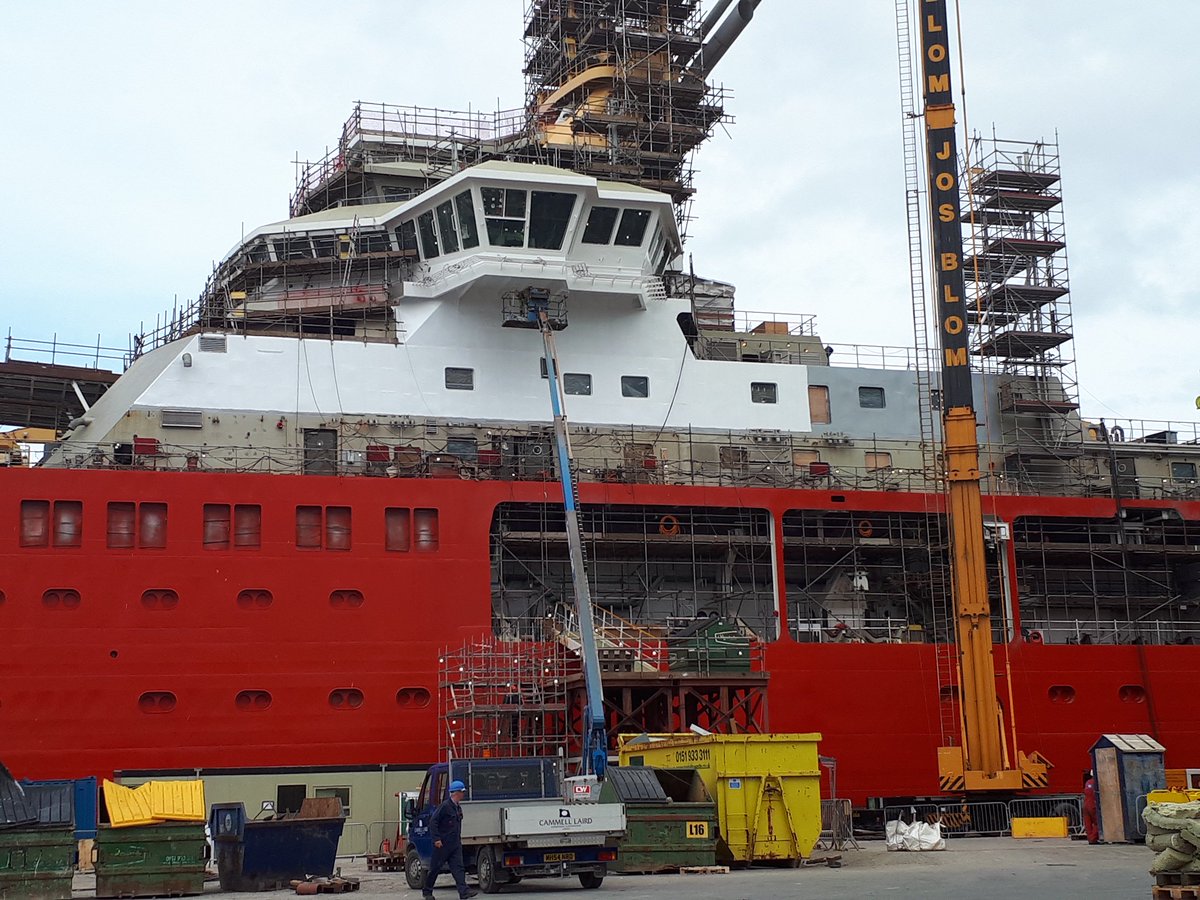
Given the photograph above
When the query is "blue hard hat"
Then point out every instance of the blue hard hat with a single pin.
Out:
(457, 786)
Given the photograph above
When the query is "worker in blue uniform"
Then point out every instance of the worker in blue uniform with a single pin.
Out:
(445, 827)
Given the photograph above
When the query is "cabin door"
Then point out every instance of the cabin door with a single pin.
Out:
(320, 451)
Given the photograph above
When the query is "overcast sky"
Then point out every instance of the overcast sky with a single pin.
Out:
(141, 138)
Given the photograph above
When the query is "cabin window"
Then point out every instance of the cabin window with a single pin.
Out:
(239, 526)
(549, 213)
(406, 236)
(802, 459)
(1183, 471)
(327, 527)
(577, 383)
(600, 224)
(877, 461)
(445, 221)
(293, 246)
(463, 447)
(871, 398)
(764, 392)
(458, 379)
(372, 242)
(467, 227)
(324, 246)
(429, 242)
(818, 404)
(632, 228)
(504, 212)
(635, 386)
(43, 523)
(258, 252)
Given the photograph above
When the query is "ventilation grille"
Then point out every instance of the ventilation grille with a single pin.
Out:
(183, 418)
(212, 343)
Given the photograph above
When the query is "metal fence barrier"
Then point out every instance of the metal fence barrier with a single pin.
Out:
(354, 840)
(990, 818)
(837, 826)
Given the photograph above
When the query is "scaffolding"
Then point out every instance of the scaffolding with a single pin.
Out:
(1020, 312)
(500, 698)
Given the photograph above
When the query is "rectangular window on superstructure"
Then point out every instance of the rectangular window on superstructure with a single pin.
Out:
(1183, 471)
(324, 246)
(397, 529)
(802, 459)
(818, 404)
(764, 392)
(429, 242)
(632, 228)
(406, 237)
(871, 398)
(549, 213)
(878, 460)
(466, 448)
(504, 212)
(446, 228)
(459, 379)
(600, 224)
(577, 383)
(635, 386)
(372, 242)
(137, 524)
(467, 226)
(325, 527)
(238, 526)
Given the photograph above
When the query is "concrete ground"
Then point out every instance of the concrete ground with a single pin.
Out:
(975, 868)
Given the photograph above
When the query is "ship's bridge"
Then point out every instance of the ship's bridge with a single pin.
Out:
(505, 219)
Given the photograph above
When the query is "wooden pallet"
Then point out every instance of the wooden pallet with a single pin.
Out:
(704, 870)
(1176, 892)
(385, 862)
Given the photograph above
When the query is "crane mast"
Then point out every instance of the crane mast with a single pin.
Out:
(982, 761)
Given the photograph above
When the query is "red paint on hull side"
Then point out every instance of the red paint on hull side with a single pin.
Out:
(70, 679)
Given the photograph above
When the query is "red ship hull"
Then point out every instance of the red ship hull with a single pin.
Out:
(310, 680)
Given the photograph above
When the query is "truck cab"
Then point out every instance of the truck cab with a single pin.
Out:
(520, 819)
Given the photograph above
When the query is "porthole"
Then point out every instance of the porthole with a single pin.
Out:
(252, 701)
(160, 599)
(346, 698)
(1132, 693)
(1061, 693)
(156, 702)
(254, 598)
(414, 697)
(61, 598)
(346, 599)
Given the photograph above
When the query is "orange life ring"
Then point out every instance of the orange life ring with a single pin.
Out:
(668, 525)
(865, 528)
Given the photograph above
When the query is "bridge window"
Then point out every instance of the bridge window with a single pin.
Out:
(600, 224)
(764, 392)
(429, 241)
(467, 226)
(504, 212)
(871, 398)
(577, 383)
(1183, 471)
(635, 386)
(632, 228)
(549, 213)
(460, 379)
(877, 461)
(445, 221)
(406, 236)
(372, 242)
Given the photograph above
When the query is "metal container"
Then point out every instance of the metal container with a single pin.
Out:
(36, 863)
(709, 645)
(767, 787)
(670, 819)
(269, 854)
(157, 860)
(1127, 766)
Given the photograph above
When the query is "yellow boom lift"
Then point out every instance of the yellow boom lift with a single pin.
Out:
(982, 762)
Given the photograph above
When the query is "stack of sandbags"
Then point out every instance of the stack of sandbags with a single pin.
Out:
(1173, 832)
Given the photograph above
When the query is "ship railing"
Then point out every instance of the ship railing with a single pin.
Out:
(1141, 431)
(1109, 631)
(386, 120)
(56, 352)
(876, 630)
(766, 323)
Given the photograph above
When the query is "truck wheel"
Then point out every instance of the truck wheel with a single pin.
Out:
(485, 870)
(590, 879)
(414, 872)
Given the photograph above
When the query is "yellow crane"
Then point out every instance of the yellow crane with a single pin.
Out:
(982, 761)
